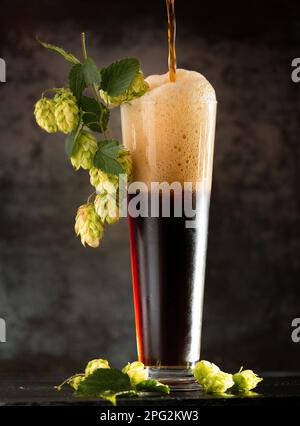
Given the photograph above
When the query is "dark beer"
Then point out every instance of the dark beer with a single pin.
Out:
(168, 264)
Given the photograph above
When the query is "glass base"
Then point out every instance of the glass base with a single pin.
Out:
(179, 379)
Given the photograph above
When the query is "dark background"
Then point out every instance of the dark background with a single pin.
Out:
(65, 304)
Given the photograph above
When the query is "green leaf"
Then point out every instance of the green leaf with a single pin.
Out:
(112, 396)
(106, 155)
(103, 380)
(76, 81)
(96, 115)
(91, 73)
(152, 385)
(71, 139)
(117, 77)
(68, 56)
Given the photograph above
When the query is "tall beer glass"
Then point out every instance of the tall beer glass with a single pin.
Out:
(170, 133)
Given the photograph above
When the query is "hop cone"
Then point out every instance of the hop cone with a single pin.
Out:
(98, 177)
(217, 382)
(44, 114)
(136, 372)
(246, 380)
(88, 225)
(84, 151)
(66, 111)
(125, 159)
(94, 365)
(203, 369)
(106, 204)
(137, 88)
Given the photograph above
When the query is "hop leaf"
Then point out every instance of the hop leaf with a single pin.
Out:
(106, 204)
(136, 89)
(84, 151)
(44, 112)
(203, 369)
(88, 225)
(136, 372)
(94, 365)
(217, 382)
(246, 380)
(66, 111)
(98, 177)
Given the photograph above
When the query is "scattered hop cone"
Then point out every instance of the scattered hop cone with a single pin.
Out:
(98, 177)
(94, 365)
(106, 204)
(88, 225)
(66, 111)
(84, 151)
(203, 369)
(44, 114)
(137, 88)
(75, 381)
(136, 372)
(217, 382)
(246, 380)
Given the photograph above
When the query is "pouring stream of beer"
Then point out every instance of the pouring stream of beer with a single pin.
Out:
(171, 39)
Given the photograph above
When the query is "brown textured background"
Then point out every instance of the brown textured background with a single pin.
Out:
(64, 304)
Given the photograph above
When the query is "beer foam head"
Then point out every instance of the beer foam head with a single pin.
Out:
(170, 129)
(189, 83)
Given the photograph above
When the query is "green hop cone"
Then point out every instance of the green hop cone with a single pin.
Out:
(137, 88)
(203, 369)
(94, 365)
(106, 204)
(98, 177)
(136, 372)
(217, 382)
(84, 151)
(125, 159)
(245, 380)
(88, 225)
(66, 111)
(44, 115)
(75, 381)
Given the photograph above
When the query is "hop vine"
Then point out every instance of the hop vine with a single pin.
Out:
(81, 110)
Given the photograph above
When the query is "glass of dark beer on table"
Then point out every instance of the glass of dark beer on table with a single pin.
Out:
(170, 133)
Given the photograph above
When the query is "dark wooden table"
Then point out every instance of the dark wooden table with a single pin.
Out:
(36, 392)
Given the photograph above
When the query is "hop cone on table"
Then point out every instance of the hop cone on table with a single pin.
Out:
(88, 225)
(94, 365)
(217, 382)
(246, 380)
(66, 111)
(203, 369)
(44, 112)
(84, 151)
(136, 372)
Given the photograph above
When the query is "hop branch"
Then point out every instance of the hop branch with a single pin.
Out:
(79, 116)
